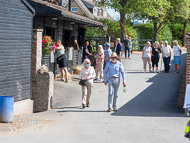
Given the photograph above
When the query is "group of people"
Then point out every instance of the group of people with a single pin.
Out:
(113, 68)
(152, 54)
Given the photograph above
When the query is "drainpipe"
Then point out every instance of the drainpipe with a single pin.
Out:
(69, 5)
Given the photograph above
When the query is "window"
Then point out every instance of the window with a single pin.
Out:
(74, 9)
(95, 11)
(105, 13)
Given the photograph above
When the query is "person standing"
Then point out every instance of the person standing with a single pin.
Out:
(177, 54)
(87, 73)
(166, 51)
(119, 49)
(130, 45)
(61, 58)
(86, 52)
(113, 69)
(155, 56)
(146, 56)
(107, 53)
(99, 63)
(126, 43)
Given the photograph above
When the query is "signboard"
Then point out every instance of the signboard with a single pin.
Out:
(187, 97)
(112, 44)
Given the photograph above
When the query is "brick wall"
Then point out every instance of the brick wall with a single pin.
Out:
(186, 75)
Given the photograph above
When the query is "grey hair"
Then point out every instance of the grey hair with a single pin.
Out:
(86, 61)
(149, 43)
(156, 42)
(175, 41)
(118, 39)
(100, 47)
(126, 36)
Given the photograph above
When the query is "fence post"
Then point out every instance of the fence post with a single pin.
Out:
(152, 41)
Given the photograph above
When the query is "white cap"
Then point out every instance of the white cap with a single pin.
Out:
(166, 41)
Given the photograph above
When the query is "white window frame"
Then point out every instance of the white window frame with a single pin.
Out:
(74, 7)
(95, 11)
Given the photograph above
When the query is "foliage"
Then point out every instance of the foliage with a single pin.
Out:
(47, 45)
(177, 31)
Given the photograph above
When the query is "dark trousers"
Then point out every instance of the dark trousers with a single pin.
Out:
(127, 49)
(166, 63)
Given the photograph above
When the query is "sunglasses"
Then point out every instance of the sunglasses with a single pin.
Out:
(113, 57)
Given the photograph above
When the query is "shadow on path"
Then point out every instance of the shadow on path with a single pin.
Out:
(159, 99)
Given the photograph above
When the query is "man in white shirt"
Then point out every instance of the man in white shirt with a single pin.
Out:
(166, 51)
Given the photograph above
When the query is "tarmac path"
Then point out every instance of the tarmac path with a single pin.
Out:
(147, 113)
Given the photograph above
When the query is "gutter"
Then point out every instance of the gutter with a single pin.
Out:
(29, 6)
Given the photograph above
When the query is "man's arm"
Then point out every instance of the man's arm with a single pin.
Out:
(87, 52)
(123, 74)
(105, 74)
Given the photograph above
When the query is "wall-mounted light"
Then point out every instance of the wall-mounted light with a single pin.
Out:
(54, 18)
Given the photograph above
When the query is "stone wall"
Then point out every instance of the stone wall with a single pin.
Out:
(43, 93)
(42, 84)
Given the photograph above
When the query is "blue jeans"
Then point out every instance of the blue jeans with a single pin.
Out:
(127, 49)
(113, 87)
(166, 63)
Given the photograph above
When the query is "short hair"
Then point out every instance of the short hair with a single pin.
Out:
(86, 61)
(156, 42)
(161, 42)
(129, 37)
(175, 41)
(126, 36)
(148, 43)
(118, 39)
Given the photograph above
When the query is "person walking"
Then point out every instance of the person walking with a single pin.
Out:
(107, 53)
(113, 68)
(126, 43)
(86, 52)
(130, 45)
(87, 73)
(155, 56)
(177, 54)
(166, 51)
(99, 63)
(61, 59)
(119, 49)
(146, 56)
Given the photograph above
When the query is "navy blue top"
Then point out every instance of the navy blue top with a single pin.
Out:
(119, 48)
(84, 51)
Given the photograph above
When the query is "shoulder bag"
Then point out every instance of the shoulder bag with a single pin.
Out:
(83, 82)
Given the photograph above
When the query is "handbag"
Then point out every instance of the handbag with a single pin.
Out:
(84, 82)
(60, 57)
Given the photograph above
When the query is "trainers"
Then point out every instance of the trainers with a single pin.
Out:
(109, 110)
(152, 71)
(67, 79)
(87, 105)
(129, 58)
(115, 109)
(157, 71)
(177, 71)
(95, 79)
(83, 106)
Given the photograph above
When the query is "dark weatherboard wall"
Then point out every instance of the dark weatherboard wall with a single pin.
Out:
(15, 49)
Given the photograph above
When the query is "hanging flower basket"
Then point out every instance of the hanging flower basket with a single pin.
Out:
(48, 45)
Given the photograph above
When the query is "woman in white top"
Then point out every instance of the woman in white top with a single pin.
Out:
(146, 56)
(61, 59)
(87, 73)
(177, 54)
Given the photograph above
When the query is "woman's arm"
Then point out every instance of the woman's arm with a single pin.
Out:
(59, 48)
(143, 53)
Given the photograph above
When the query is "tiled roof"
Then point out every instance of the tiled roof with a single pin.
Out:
(67, 14)
(91, 2)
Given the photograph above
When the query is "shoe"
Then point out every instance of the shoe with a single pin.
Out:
(177, 71)
(115, 109)
(157, 71)
(95, 79)
(152, 71)
(144, 71)
(62, 79)
(101, 80)
(125, 57)
(165, 71)
(129, 58)
(83, 106)
(67, 79)
(109, 110)
(87, 105)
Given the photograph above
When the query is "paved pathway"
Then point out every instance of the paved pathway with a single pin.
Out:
(147, 112)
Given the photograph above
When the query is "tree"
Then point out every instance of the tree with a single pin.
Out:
(181, 8)
(127, 9)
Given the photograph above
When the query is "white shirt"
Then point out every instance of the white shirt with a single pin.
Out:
(147, 51)
(176, 50)
(87, 72)
(166, 50)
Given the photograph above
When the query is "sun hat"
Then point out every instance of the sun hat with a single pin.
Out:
(166, 41)
(114, 55)
(107, 45)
